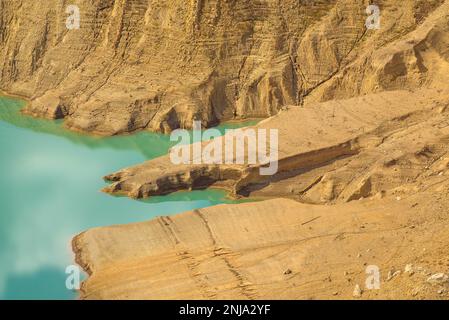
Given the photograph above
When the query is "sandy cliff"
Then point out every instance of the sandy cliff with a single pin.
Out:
(316, 147)
(355, 191)
(157, 65)
(363, 180)
(363, 120)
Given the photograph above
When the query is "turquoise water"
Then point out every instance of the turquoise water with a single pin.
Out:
(49, 191)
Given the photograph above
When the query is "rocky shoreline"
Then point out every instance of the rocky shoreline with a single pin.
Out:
(363, 120)
(214, 62)
(275, 249)
(380, 200)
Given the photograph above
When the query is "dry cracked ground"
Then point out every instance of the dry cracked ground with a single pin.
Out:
(363, 120)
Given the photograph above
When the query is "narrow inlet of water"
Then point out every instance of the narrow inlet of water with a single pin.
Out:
(50, 181)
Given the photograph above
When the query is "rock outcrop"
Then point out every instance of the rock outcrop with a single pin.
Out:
(370, 144)
(363, 120)
(366, 187)
(362, 182)
(275, 249)
(157, 65)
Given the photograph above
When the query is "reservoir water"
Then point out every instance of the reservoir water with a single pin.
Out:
(50, 181)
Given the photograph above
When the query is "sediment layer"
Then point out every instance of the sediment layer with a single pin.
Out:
(275, 249)
(376, 196)
(158, 65)
(362, 180)
(311, 141)
(363, 131)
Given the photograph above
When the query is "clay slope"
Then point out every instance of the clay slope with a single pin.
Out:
(157, 65)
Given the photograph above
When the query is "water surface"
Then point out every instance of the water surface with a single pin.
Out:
(49, 191)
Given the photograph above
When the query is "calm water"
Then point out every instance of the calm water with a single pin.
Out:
(49, 191)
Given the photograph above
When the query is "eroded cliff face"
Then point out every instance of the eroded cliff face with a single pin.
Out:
(372, 145)
(366, 186)
(362, 180)
(157, 65)
(368, 149)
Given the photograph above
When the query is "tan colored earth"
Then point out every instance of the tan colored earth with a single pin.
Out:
(363, 120)
(372, 192)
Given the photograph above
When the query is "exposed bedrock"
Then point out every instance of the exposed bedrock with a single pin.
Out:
(157, 65)
(395, 163)
(275, 249)
(324, 155)
(375, 175)
(363, 164)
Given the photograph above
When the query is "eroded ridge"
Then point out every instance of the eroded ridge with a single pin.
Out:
(158, 65)
(317, 146)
